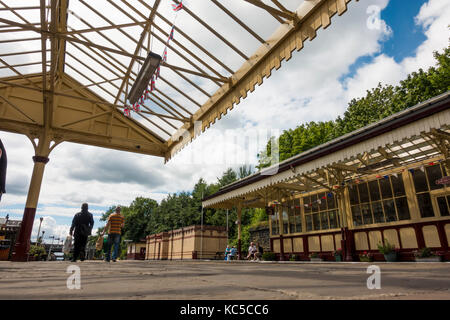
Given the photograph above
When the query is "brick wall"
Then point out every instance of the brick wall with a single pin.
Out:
(261, 235)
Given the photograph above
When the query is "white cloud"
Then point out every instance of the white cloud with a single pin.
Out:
(50, 228)
(383, 69)
(434, 17)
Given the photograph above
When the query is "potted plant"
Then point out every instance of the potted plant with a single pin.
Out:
(315, 257)
(426, 255)
(36, 253)
(294, 257)
(338, 254)
(388, 250)
(366, 257)
(269, 256)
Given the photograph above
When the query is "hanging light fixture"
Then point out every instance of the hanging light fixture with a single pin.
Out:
(151, 63)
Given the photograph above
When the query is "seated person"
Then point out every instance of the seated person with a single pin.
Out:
(252, 251)
(259, 253)
(233, 254)
(227, 252)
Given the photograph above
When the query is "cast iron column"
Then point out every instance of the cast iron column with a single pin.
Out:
(23, 240)
(239, 212)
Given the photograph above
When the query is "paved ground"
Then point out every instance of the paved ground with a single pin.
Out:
(223, 280)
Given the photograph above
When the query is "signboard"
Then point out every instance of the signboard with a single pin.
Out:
(444, 180)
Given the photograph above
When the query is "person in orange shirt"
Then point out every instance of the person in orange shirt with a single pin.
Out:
(114, 226)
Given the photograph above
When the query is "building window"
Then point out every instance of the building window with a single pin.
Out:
(321, 212)
(379, 201)
(295, 218)
(444, 205)
(424, 183)
(275, 223)
(285, 219)
(291, 215)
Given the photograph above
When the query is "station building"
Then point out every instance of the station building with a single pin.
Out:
(388, 181)
(193, 242)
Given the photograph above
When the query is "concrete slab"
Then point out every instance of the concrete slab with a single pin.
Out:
(221, 280)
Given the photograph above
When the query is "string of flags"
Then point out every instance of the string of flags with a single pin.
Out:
(306, 205)
(152, 84)
(351, 183)
(421, 167)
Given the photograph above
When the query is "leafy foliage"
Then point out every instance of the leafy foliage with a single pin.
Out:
(386, 247)
(269, 256)
(145, 216)
(37, 251)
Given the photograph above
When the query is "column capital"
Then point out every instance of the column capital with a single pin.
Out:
(42, 159)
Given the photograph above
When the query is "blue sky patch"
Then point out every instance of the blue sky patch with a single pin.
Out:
(406, 35)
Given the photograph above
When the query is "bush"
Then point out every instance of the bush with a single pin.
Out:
(386, 248)
(269, 256)
(294, 257)
(424, 253)
(37, 251)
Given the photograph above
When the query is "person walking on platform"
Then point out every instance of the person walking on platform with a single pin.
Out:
(114, 226)
(82, 223)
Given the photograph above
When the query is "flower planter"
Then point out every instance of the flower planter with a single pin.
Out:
(365, 259)
(338, 257)
(429, 259)
(391, 257)
(316, 259)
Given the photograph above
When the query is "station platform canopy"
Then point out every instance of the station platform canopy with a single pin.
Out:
(66, 67)
(416, 137)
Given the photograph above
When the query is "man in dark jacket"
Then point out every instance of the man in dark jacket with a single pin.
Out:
(82, 223)
(2, 169)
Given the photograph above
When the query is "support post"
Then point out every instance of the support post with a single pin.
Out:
(347, 235)
(22, 246)
(239, 215)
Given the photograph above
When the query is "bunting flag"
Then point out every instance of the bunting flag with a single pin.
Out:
(158, 70)
(126, 111)
(177, 7)
(171, 33)
(152, 85)
(136, 107)
(164, 58)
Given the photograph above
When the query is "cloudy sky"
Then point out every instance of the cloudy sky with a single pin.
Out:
(375, 41)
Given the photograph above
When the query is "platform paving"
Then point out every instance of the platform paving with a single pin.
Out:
(193, 280)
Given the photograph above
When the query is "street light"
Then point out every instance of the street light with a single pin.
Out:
(50, 250)
(42, 237)
(39, 230)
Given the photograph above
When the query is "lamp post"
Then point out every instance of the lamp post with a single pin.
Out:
(50, 250)
(39, 230)
(201, 234)
(42, 238)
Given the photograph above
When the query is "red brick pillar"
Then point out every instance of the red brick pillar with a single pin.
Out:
(22, 245)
